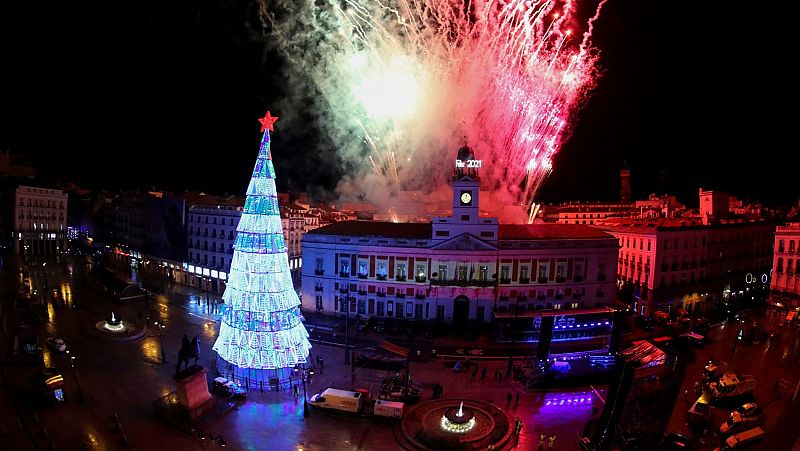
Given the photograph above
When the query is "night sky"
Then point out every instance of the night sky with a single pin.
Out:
(168, 94)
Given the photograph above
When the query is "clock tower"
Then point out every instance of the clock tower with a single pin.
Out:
(466, 185)
(466, 213)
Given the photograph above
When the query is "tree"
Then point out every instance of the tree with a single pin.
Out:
(262, 325)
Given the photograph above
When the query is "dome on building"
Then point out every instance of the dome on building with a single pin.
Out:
(465, 153)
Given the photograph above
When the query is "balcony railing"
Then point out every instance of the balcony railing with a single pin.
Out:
(524, 280)
(319, 272)
(420, 297)
(381, 294)
(561, 279)
(400, 295)
(464, 283)
(317, 288)
(362, 276)
(577, 279)
(362, 292)
(503, 298)
(344, 274)
(601, 277)
(505, 280)
(542, 280)
(420, 279)
(400, 278)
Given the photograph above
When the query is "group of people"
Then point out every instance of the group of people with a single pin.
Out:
(551, 441)
(498, 374)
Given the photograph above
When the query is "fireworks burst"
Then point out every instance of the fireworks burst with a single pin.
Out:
(406, 80)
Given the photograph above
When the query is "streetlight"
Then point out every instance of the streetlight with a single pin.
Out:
(77, 381)
(347, 332)
(44, 270)
(160, 328)
(307, 373)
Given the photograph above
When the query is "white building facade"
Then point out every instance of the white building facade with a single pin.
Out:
(211, 231)
(459, 268)
(40, 221)
(784, 300)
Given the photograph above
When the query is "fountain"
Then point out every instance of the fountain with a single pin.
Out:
(114, 325)
(457, 421)
(455, 424)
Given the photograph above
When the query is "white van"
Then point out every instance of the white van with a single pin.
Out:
(335, 399)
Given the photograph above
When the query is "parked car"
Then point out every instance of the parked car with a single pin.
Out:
(56, 344)
(749, 409)
(225, 387)
(379, 326)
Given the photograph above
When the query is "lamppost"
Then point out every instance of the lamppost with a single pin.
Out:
(306, 374)
(44, 270)
(347, 331)
(75, 375)
(160, 328)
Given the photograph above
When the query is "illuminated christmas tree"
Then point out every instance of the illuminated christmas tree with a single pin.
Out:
(262, 325)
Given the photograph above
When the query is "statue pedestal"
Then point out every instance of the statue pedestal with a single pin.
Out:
(192, 391)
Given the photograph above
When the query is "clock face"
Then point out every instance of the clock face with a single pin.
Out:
(466, 198)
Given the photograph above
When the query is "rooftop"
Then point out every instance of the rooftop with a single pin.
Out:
(416, 230)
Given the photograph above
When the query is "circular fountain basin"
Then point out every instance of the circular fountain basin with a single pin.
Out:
(458, 424)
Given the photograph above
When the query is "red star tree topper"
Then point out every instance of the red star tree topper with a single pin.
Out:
(267, 121)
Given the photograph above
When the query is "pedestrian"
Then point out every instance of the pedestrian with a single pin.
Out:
(483, 372)
(516, 401)
(541, 441)
(508, 400)
(686, 396)
(296, 391)
(552, 442)
(441, 390)
(500, 376)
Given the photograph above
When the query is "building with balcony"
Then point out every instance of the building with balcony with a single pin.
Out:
(211, 231)
(784, 299)
(458, 268)
(40, 221)
(690, 263)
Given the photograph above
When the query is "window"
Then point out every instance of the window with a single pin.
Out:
(362, 268)
(556, 306)
(791, 246)
(483, 273)
(382, 269)
(421, 272)
(442, 272)
(648, 245)
(577, 275)
(319, 303)
(666, 244)
(389, 308)
(505, 273)
(442, 233)
(344, 266)
(523, 273)
(462, 272)
(362, 307)
(380, 308)
(780, 265)
(401, 271)
(543, 272)
(318, 267)
(601, 271)
(780, 246)
(561, 271)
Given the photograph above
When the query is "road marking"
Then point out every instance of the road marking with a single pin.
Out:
(203, 317)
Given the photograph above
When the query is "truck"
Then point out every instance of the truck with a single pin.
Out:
(356, 402)
(741, 439)
(738, 422)
(730, 386)
(335, 399)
